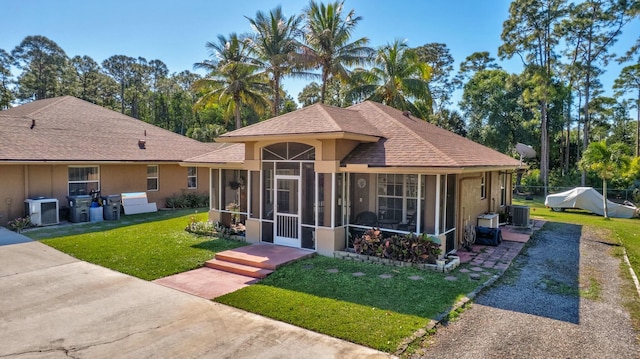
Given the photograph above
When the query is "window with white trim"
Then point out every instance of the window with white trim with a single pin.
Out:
(483, 186)
(152, 178)
(192, 177)
(83, 180)
(398, 196)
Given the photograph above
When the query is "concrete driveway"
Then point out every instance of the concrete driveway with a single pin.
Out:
(55, 306)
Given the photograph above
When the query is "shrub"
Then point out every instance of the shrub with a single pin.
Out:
(406, 248)
(20, 223)
(204, 228)
(187, 200)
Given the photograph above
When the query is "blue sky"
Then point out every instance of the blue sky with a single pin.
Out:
(175, 32)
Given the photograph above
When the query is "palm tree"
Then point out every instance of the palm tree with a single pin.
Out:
(605, 161)
(328, 32)
(397, 79)
(275, 45)
(232, 80)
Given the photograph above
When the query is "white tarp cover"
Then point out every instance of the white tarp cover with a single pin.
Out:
(589, 199)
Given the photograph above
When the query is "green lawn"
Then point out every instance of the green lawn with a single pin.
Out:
(148, 246)
(367, 309)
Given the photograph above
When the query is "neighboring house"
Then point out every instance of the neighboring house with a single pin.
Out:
(65, 146)
(314, 177)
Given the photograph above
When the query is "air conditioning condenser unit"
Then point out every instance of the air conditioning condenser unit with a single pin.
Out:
(520, 216)
(42, 211)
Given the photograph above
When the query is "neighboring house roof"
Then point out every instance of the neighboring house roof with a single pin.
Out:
(393, 138)
(69, 129)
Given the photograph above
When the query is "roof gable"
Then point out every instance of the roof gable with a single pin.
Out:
(311, 120)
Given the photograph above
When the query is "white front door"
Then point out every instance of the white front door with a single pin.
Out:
(287, 211)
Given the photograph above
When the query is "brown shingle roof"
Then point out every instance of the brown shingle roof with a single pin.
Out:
(314, 119)
(412, 142)
(227, 153)
(70, 129)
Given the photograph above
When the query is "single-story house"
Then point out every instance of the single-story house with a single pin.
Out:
(314, 177)
(65, 146)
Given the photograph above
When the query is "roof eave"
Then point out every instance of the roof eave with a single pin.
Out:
(300, 136)
(365, 168)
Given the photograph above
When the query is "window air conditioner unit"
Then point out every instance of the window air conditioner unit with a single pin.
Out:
(519, 216)
(42, 211)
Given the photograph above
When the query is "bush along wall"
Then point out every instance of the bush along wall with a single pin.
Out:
(412, 250)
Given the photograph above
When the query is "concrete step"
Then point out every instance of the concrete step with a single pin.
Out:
(246, 259)
(238, 268)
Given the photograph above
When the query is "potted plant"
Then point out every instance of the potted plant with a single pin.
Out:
(234, 208)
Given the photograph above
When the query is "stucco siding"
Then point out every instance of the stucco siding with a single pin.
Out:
(19, 182)
(12, 186)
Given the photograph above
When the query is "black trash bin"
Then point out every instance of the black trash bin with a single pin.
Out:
(79, 208)
(111, 205)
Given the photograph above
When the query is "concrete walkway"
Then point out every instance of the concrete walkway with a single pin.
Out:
(55, 306)
(11, 237)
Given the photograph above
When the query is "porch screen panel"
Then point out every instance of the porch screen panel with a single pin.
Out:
(267, 190)
(323, 180)
(267, 232)
(254, 206)
(215, 189)
(308, 238)
(308, 194)
(339, 198)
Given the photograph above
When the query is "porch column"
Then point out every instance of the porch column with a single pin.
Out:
(249, 191)
(418, 215)
(333, 199)
(437, 214)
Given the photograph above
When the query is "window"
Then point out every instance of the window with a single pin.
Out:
(483, 186)
(83, 180)
(192, 177)
(397, 197)
(152, 178)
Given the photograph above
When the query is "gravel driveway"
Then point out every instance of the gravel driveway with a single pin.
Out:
(545, 306)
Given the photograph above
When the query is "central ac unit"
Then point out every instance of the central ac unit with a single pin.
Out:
(42, 211)
(520, 216)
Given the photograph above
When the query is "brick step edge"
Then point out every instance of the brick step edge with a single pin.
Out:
(237, 268)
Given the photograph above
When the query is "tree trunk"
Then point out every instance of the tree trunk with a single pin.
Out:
(236, 112)
(585, 139)
(276, 94)
(544, 147)
(323, 89)
(567, 140)
(638, 126)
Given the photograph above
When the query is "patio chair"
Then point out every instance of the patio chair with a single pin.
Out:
(367, 218)
(410, 225)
